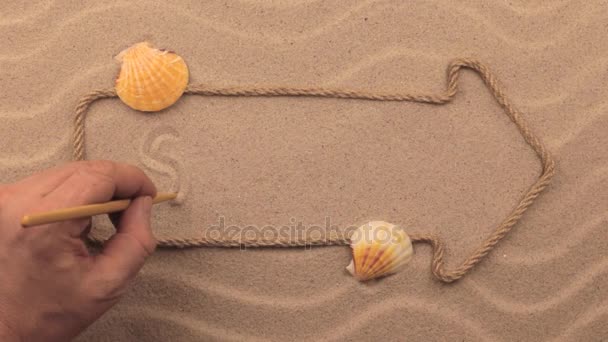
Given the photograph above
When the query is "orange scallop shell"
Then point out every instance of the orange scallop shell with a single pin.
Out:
(150, 79)
(379, 249)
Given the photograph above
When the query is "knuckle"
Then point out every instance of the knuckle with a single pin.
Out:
(96, 174)
(103, 167)
(150, 245)
(147, 243)
(109, 287)
(6, 191)
(3, 192)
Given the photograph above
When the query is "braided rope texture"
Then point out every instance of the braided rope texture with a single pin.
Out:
(438, 266)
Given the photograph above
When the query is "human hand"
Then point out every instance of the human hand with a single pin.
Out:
(51, 287)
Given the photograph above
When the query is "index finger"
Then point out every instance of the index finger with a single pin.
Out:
(129, 181)
(99, 181)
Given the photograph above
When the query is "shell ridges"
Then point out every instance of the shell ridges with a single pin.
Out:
(150, 79)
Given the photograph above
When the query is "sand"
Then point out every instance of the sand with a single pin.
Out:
(454, 170)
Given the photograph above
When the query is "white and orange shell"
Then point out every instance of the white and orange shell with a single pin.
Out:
(379, 249)
(150, 79)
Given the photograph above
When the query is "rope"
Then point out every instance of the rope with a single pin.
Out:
(438, 266)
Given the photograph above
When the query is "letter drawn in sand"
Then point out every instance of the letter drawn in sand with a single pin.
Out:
(165, 163)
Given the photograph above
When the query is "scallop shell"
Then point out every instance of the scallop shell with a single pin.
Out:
(150, 79)
(379, 249)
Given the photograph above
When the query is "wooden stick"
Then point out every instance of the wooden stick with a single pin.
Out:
(86, 210)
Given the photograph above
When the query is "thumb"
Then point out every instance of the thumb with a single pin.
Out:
(125, 253)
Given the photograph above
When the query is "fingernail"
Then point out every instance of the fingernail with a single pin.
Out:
(146, 203)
